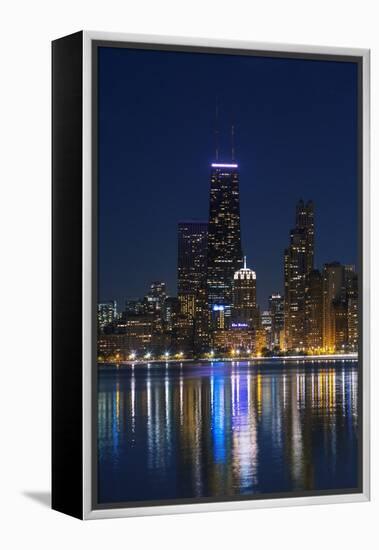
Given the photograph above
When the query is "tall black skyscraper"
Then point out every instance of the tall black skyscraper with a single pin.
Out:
(224, 256)
(298, 263)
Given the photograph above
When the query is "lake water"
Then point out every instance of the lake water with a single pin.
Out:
(226, 430)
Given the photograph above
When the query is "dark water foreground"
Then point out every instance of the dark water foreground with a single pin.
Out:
(225, 430)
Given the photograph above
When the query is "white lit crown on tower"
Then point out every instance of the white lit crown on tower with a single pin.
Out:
(244, 273)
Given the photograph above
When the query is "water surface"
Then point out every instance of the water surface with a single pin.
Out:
(226, 429)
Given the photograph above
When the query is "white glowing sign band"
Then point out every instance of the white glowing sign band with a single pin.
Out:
(218, 308)
(239, 325)
(216, 165)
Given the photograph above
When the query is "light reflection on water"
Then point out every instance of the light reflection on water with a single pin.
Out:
(225, 430)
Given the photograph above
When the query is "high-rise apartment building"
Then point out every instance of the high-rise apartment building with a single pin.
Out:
(276, 309)
(192, 279)
(340, 325)
(298, 262)
(171, 309)
(352, 308)
(155, 298)
(313, 311)
(333, 306)
(192, 256)
(135, 306)
(106, 314)
(266, 326)
(340, 308)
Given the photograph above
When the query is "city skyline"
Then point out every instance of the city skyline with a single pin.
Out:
(216, 311)
(276, 167)
(264, 300)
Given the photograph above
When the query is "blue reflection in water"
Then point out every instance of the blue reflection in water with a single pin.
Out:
(218, 417)
(220, 430)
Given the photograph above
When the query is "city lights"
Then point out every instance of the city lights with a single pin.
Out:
(216, 306)
(217, 165)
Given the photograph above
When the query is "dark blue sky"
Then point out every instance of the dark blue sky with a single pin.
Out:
(296, 137)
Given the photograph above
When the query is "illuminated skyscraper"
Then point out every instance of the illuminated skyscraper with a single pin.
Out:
(352, 307)
(266, 326)
(155, 297)
(245, 311)
(171, 309)
(333, 298)
(298, 262)
(106, 314)
(192, 251)
(340, 307)
(192, 279)
(313, 311)
(224, 255)
(340, 325)
(135, 306)
(276, 308)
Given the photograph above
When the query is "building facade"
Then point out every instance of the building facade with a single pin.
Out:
(192, 279)
(171, 309)
(333, 304)
(192, 257)
(234, 341)
(340, 308)
(136, 334)
(266, 326)
(155, 298)
(106, 314)
(352, 309)
(224, 250)
(276, 309)
(135, 306)
(298, 263)
(314, 312)
(244, 297)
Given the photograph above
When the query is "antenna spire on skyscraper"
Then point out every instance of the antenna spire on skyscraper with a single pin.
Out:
(232, 140)
(216, 131)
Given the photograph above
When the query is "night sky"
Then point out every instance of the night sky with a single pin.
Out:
(295, 137)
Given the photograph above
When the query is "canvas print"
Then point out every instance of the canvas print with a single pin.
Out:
(228, 276)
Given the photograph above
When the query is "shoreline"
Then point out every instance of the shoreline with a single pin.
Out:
(352, 357)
